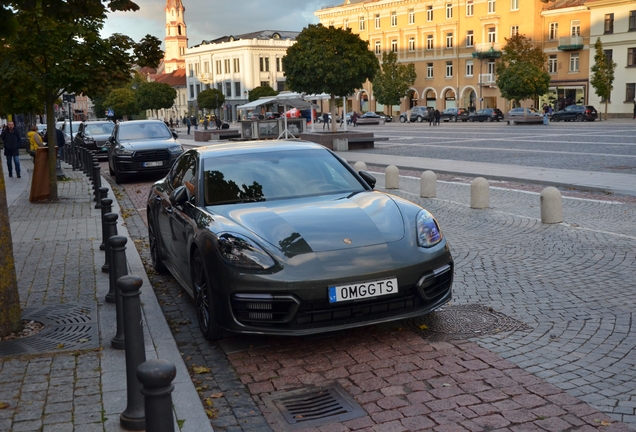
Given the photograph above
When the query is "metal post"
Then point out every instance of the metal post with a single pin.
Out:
(97, 181)
(156, 377)
(74, 155)
(111, 230)
(119, 268)
(106, 208)
(133, 416)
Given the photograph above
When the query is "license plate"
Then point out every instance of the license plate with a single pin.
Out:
(104, 149)
(339, 293)
(151, 164)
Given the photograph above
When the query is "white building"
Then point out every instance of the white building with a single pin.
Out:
(237, 64)
(614, 22)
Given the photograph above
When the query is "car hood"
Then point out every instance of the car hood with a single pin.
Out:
(149, 144)
(320, 224)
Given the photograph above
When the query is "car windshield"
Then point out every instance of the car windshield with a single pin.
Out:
(251, 177)
(99, 128)
(138, 131)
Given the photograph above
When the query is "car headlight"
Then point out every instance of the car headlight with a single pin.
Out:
(243, 252)
(428, 232)
(175, 149)
(123, 152)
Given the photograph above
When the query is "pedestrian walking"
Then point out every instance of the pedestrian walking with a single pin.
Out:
(325, 120)
(431, 116)
(436, 114)
(35, 141)
(194, 122)
(188, 124)
(546, 110)
(217, 122)
(354, 119)
(11, 139)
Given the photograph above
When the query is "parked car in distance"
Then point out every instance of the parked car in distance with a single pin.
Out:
(454, 114)
(250, 236)
(575, 113)
(486, 114)
(94, 136)
(370, 117)
(524, 112)
(418, 114)
(141, 147)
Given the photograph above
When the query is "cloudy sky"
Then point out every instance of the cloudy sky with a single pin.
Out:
(209, 19)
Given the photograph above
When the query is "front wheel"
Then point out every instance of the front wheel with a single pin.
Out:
(579, 118)
(119, 177)
(402, 119)
(203, 298)
(420, 119)
(490, 119)
(453, 119)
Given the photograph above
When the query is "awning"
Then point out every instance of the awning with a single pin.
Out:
(287, 99)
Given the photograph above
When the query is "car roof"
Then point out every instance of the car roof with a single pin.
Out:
(232, 148)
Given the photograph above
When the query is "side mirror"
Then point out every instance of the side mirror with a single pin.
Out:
(179, 196)
(368, 178)
(174, 135)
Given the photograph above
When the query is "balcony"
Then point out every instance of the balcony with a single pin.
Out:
(205, 77)
(487, 80)
(570, 43)
(487, 51)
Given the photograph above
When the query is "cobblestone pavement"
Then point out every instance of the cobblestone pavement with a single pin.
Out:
(570, 283)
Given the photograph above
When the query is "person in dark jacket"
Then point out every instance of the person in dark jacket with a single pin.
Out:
(11, 139)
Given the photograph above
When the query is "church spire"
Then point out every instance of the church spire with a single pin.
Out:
(176, 40)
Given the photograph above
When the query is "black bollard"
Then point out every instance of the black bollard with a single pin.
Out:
(111, 230)
(74, 155)
(97, 184)
(106, 208)
(133, 416)
(118, 268)
(156, 377)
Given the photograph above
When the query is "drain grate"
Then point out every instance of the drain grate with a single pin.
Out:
(463, 322)
(312, 407)
(67, 327)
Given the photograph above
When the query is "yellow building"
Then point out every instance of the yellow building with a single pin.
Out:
(454, 45)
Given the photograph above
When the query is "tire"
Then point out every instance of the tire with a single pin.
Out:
(471, 119)
(556, 119)
(490, 119)
(453, 119)
(119, 177)
(202, 291)
(402, 119)
(110, 170)
(155, 255)
(420, 119)
(579, 118)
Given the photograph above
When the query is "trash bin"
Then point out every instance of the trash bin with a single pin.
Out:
(40, 177)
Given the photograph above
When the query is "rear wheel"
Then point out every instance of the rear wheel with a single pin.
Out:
(453, 119)
(155, 254)
(202, 291)
(420, 119)
(490, 119)
(579, 118)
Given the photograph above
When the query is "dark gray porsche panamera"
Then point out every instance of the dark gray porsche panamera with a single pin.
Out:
(285, 238)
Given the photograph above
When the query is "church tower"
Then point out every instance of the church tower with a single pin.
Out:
(176, 40)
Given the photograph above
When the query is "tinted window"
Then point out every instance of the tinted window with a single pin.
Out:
(134, 131)
(99, 128)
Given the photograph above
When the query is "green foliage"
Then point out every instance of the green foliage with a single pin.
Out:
(602, 78)
(122, 100)
(328, 60)
(391, 84)
(210, 99)
(521, 70)
(154, 96)
(261, 91)
(148, 52)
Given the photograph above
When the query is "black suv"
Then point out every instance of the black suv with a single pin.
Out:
(94, 136)
(576, 113)
(454, 114)
(418, 114)
(486, 114)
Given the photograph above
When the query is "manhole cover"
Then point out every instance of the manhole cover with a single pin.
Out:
(67, 327)
(312, 407)
(463, 322)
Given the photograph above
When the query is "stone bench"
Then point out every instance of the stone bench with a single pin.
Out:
(216, 134)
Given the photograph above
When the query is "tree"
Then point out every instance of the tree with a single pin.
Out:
(261, 91)
(148, 52)
(329, 60)
(154, 95)
(391, 84)
(521, 70)
(602, 74)
(123, 101)
(10, 318)
(211, 99)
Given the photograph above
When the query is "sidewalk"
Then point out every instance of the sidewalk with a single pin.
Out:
(70, 378)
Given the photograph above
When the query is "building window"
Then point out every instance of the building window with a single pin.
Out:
(361, 24)
(553, 31)
(492, 34)
(197, 90)
(429, 70)
(377, 21)
(631, 56)
(514, 5)
(469, 68)
(206, 67)
(470, 38)
(429, 13)
(228, 89)
(632, 20)
(490, 67)
(394, 45)
(470, 9)
(574, 62)
(279, 64)
(393, 19)
(218, 67)
(378, 47)
(575, 28)
(227, 66)
(449, 10)
(630, 92)
(411, 44)
(190, 70)
(345, 24)
(609, 54)
(411, 16)
(197, 69)
(552, 64)
(265, 84)
(449, 69)
(264, 64)
(191, 91)
(237, 89)
(237, 65)
(609, 23)
(449, 40)
(514, 31)
(491, 6)
(429, 42)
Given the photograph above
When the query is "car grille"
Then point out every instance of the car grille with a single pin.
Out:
(151, 155)
(283, 312)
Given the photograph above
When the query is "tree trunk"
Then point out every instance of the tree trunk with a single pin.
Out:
(11, 315)
(334, 114)
(50, 133)
(606, 107)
